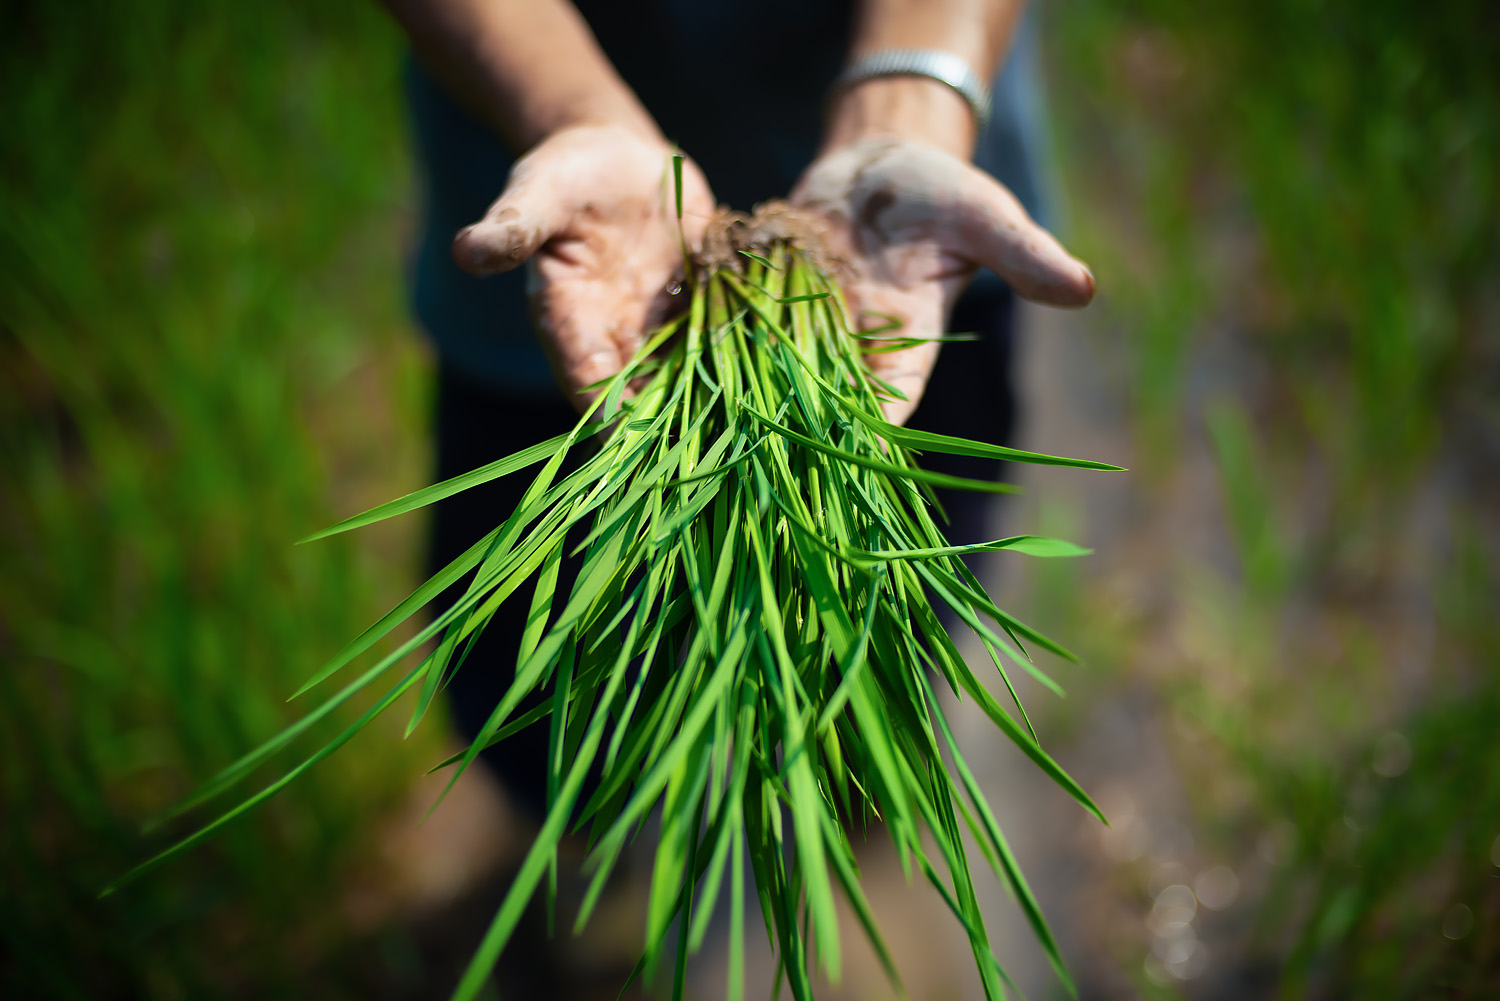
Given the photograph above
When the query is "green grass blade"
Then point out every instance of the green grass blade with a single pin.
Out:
(447, 488)
(910, 473)
(929, 441)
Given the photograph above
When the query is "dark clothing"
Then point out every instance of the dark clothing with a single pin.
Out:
(477, 424)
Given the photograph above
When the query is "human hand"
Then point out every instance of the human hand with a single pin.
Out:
(911, 223)
(593, 208)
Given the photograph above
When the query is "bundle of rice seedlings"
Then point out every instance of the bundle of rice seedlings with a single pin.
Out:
(752, 644)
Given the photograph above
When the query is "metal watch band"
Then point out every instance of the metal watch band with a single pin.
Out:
(945, 67)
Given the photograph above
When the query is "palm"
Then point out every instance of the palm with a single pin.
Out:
(595, 207)
(911, 224)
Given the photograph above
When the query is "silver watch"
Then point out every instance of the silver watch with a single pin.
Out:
(944, 67)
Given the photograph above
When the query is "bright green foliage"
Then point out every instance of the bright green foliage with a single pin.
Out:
(751, 641)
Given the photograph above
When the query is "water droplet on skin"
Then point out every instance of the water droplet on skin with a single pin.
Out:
(674, 288)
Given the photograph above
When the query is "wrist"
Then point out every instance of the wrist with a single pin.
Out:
(585, 110)
(912, 108)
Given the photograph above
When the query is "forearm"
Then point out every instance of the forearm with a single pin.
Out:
(527, 67)
(920, 108)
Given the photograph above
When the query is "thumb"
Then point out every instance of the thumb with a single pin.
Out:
(996, 233)
(525, 216)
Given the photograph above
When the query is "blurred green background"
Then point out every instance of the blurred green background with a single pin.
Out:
(1293, 208)
(203, 356)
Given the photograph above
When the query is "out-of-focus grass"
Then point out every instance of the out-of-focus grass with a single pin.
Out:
(200, 343)
(1294, 210)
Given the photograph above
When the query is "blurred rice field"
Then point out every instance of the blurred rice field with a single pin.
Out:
(1291, 701)
(203, 356)
(1289, 697)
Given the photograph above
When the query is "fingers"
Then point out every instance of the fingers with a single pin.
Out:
(525, 216)
(920, 314)
(994, 231)
(896, 194)
(587, 338)
(592, 325)
(906, 371)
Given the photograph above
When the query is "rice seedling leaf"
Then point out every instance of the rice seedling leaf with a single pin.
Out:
(1031, 545)
(932, 442)
(764, 261)
(438, 491)
(911, 473)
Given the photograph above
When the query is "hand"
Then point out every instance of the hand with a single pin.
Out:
(593, 208)
(911, 223)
